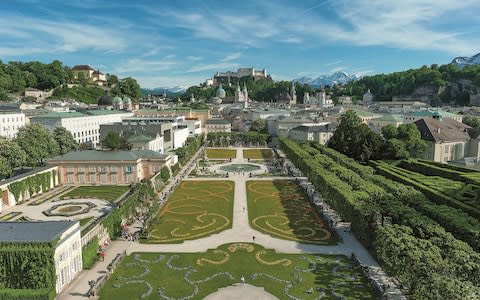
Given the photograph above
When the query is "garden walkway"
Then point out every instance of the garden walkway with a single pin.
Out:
(240, 232)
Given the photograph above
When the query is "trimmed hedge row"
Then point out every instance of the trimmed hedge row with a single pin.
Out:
(435, 170)
(90, 254)
(370, 211)
(27, 294)
(434, 195)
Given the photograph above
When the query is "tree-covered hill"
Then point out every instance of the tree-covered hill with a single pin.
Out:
(447, 82)
(15, 77)
(259, 90)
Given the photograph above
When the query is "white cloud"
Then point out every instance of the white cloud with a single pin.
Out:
(207, 67)
(408, 24)
(58, 36)
(336, 69)
(194, 58)
(232, 56)
(336, 62)
(292, 40)
(137, 65)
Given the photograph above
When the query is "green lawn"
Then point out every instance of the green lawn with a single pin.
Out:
(196, 275)
(214, 153)
(104, 192)
(85, 221)
(280, 208)
(196, 209)
(258, 153)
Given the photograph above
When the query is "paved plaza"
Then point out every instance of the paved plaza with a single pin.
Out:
(240, 232)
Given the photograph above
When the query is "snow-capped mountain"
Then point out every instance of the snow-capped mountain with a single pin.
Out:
(332, 79)
(175, 89)
(465, 61)
(171, 91)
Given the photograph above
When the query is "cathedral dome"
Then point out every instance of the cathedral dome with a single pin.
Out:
(105, 100)
(220, 93)
(116, 100)
(127, 100)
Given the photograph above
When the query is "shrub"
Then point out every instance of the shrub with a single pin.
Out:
(89, 253)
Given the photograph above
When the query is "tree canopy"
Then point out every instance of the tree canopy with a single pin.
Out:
(353, 138)
(64, 139)
(12, 156)
(112, 141)
(402, 142)
(37, 142)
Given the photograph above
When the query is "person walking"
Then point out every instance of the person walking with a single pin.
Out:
(253, 239)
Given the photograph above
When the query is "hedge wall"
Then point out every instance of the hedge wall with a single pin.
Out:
(27, 294)
(27, 266)
(365, 202)
(89, 254)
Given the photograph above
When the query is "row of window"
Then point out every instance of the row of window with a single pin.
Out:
(101, 169)
(92, 178)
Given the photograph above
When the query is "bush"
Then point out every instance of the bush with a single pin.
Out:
(165, 174)
(415, 248)
(89, 253)
(27, 294)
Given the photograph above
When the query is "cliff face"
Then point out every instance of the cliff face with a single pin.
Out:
(461, 92)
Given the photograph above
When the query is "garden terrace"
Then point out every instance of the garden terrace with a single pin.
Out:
(439, 189)
(196, 275)
(280, 208)
(406, 242)
(196, 209)
(459, 223)
(104, 192)
(215, 153)
(258, 154)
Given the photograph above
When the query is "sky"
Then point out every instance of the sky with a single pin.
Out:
(170, 43)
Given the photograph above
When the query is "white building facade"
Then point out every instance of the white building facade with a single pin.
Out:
(10, 123)
(84, 127)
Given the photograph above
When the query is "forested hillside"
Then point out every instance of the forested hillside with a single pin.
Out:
(15, 77)
(449, 82)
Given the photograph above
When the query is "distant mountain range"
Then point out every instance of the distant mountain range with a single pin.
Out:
(171, 91)
(466, 61)
(332, 79)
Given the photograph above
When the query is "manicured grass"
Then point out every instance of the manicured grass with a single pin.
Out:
(280, 208)
(258, 153)
(196, 209)
(9, 216)
(70, 208)
(103, 192)
(196, 275)
(214, 153)
(85, 221)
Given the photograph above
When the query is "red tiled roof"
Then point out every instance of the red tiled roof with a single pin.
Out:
(82, 68)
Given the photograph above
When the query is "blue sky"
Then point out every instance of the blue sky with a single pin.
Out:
(169, 43)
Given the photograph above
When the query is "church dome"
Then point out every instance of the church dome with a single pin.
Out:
(127, 100)
(116, 100)
(216, 100)
(105, 100)
(220, 93)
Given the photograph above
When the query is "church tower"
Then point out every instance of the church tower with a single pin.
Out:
(238, 94)
(192, 98)
(245, 93)
(293, 95)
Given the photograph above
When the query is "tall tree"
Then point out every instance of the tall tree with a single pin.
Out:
(353, 138)
(131, 88)
(64, 139)
(112, 141)
(13, 154)
(38, 144)
(258, 125)
(402, 142)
